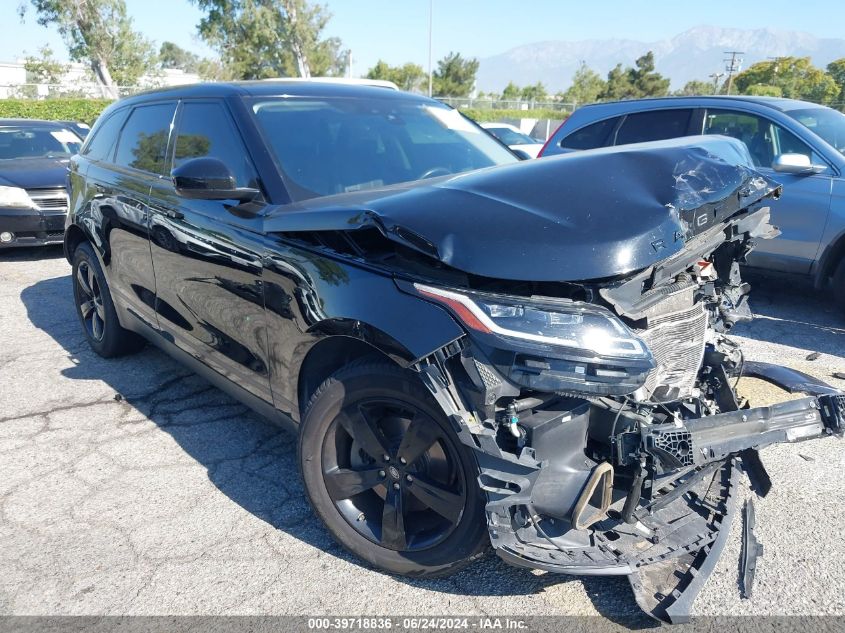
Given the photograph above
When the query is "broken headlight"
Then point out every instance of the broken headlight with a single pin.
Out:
(551, 345)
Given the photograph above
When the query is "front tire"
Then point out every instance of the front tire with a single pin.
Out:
(95, 308)
(388, 476)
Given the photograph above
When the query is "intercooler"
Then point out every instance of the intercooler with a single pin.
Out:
(676, 340)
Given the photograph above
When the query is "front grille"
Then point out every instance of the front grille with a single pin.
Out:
(677, 341)
(49, 199)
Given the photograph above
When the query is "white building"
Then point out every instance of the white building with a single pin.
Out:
(76, 82)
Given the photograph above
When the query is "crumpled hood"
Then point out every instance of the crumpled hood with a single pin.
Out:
(34, 173)
(578, 216)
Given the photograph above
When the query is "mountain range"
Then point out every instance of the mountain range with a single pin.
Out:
(693, 54)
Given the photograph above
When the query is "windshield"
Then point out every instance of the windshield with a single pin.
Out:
(509, 137)
(826, 123)
(327, 146)
(21, 141)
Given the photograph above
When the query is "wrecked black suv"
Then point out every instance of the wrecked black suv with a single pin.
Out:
(472, 349)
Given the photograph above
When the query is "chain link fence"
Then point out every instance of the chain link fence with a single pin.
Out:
(80, 90)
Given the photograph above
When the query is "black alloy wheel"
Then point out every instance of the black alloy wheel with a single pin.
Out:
(393, 474)
(95, 308)
(90, 301)
(387, 474)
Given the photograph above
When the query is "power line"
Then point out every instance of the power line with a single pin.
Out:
(732, 65)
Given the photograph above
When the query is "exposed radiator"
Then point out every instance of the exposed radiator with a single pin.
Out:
(677, 341)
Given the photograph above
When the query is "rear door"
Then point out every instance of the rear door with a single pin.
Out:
(802, 210)
(118, 180)
(207, 255)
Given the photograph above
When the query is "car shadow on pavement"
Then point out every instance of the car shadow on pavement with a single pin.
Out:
(795, 315)
(253, 462)
(31, 253)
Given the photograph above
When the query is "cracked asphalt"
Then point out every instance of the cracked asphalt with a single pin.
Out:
(132, 486)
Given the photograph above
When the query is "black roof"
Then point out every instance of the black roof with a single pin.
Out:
(271, 88)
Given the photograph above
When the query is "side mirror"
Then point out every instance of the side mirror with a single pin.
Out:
(209, 179)
(796, 164)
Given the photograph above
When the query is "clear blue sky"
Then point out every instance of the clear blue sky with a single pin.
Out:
(397, 30)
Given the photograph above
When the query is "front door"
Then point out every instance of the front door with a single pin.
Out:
(207, 256)
(801, 212)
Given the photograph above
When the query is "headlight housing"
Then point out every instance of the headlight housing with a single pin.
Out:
(15, 198)
(548, 344)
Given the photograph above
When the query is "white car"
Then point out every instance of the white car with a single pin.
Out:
(511, 136)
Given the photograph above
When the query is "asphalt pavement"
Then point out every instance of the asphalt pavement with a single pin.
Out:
(132, 486)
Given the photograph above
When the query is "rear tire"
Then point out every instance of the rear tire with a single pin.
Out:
(95, 308)
(838, 285)
(388, 476)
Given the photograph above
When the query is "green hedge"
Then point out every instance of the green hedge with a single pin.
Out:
(85, 110)
(491, 115)
(88, 110)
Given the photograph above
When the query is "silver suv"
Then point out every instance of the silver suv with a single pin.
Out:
(800, 144)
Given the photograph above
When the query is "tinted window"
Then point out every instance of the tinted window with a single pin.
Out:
(35, 141)
(788, 143)
(590, 137)
(828, 124)
(335, 145)
(206, 130)
(657, 125)
(143, 142)
(101, 146)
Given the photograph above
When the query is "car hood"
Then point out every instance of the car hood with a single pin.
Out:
(34, 173)
(586, 215)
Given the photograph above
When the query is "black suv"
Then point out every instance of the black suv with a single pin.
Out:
(472, 349)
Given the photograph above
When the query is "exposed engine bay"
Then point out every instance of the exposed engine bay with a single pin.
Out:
(602, 409)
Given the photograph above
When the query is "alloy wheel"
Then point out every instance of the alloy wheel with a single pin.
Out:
(394, 474)
(90, 301)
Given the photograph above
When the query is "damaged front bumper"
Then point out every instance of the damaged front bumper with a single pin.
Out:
(660, 521)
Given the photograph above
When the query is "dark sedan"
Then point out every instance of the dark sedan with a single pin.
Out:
(473, 350)
(34, 157)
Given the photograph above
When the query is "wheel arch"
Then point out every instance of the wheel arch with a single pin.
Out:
(827, 263)
(329, 355)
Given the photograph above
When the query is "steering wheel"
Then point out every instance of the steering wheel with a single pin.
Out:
(434, 171)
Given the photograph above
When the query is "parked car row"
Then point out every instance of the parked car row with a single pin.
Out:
(474, 350)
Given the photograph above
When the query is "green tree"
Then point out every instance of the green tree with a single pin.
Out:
(455, 76)
(512, 92)
(586, 86)
(44, 68)
(409, 76)
(696, 87)
(618, 85)
(259, 39)
(795, 77)
(172, 55)
(537, 92)
(836, 71)
(644, 79)
(99, 33)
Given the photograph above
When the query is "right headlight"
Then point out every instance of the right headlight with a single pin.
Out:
(550, 345)
(15, 198)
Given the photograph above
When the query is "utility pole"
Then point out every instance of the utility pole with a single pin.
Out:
(430, 21)
(349, 63)
(716, 77)
(732, 66)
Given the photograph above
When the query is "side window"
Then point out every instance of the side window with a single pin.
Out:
(143, 142)
(101, 145)
(590, 137)
(206, 130)
(787, 143)
(655, 125)
(754, 131)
